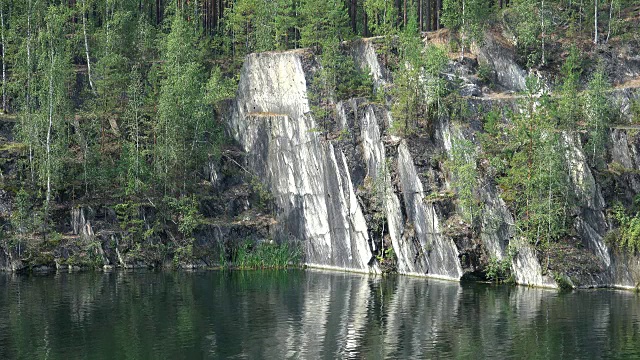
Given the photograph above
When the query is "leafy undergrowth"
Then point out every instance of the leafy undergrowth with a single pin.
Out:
(265, 255)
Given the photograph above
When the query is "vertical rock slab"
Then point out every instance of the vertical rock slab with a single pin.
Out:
(308, 177)
(592, 223)
(429, 251)
(526, 268)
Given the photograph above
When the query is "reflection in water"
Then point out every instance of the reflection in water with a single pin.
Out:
(305, 314)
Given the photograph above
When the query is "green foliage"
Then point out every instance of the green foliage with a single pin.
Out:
(184, 115)
(409, 91)
(129, 219)
(464, 176)
(485, 73)
(436, 61)
(466, 17)
(185, 213)
(44, 128)
(498, 270)
(569, 111)
(563, 281)
(323, 23)
(635, 111)
(20, 216)
(265, 255)
(628, 234)
(183, 253)
(337, 78)
(383, 16)
(525, 19)
(598, 113)
(387, 260)
(532, 168)
(261, 192)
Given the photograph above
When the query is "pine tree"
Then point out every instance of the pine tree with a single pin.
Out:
(382, 16)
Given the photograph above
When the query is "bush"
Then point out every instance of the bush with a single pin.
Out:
(628, 235)
(499, 270)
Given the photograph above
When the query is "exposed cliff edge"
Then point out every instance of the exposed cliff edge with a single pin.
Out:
(356, 196)
(352, 191)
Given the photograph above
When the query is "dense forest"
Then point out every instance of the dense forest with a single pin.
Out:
(119, 101)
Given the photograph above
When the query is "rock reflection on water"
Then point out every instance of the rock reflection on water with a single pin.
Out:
(306, 315)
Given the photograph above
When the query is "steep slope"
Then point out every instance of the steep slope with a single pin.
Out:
(358, 197)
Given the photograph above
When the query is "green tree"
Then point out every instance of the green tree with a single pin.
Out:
(409, 85)
(534, 181)
(49, 128)
(464, 176)
(323, 23)
(468, 18)
(382, 16)
(183, 114)
(569, 111)
(530, 22)
(598, 113)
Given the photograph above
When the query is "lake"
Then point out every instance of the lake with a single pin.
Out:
(306, 315)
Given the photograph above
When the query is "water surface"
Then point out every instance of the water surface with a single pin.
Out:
(307, 315)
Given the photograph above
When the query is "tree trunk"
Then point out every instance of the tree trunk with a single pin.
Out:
(428, 15)
(86, 46)
(543, 32)
(354, 16)
(595, 22)
(404, 14)
(366, 24)
(608, 25)
(420, 19)
(4, 63)
(28, 94)
(50, 128)
(464, 17)
(437, 14)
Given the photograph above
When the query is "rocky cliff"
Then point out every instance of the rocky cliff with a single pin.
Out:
(358, 197)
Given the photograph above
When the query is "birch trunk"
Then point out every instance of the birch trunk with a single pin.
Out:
(4, 64)
(86, 45)
(595, 22)
(50, 128)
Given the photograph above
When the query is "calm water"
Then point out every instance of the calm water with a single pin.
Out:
(308, 315)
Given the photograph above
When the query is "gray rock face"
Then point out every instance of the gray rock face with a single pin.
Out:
(591, 225)
(318, 173)
(314, 180)
(308, 177)
(526, 267)
(9, 260)
(436, 253)
(365, 55)
(81, 221)
(501, 59)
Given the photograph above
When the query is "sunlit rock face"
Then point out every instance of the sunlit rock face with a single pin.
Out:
(308, 178)
(348, 188)
(314, 179)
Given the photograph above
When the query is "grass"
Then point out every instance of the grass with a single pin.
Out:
(248, 256)
(13, 147)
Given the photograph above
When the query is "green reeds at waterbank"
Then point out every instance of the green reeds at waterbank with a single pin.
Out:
(263, 255)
